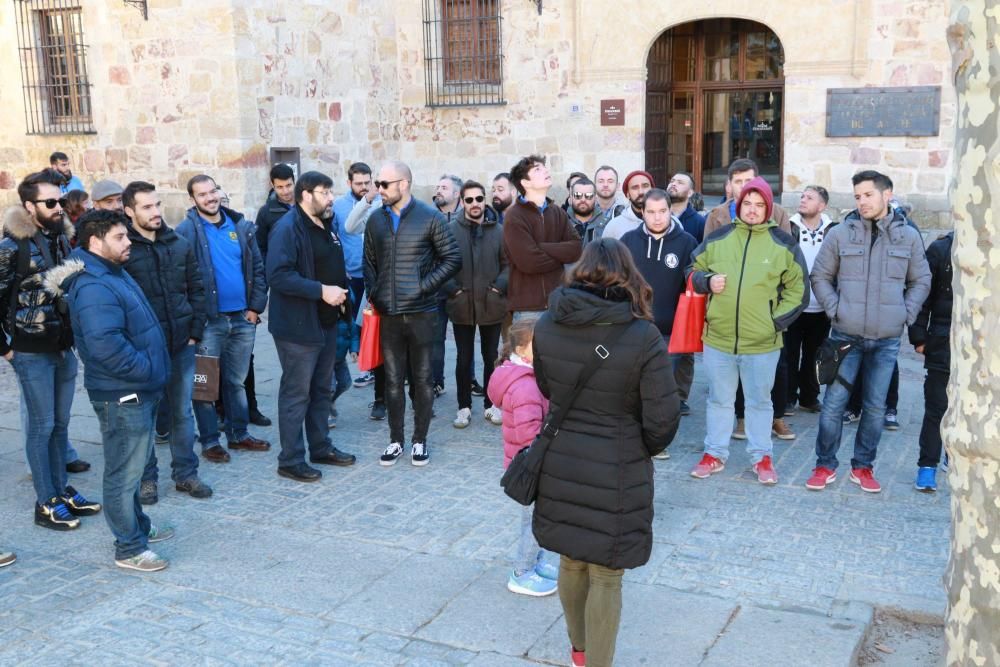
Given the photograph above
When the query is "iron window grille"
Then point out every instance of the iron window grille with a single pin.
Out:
(463, 58)
(54, 67)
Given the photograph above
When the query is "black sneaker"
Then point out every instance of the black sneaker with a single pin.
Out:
(364, 379)
(477, 389)
(685, 409)
(438, 391)
(148, 492)
(419, 456)
(257, 419)
(391, 454)
(77, 466)
(194, 487)
(54, 514)
(78, 505)
(378, 411)
(161, 439)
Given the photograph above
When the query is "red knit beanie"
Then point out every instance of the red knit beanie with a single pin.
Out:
(633, 174)
(760, 186)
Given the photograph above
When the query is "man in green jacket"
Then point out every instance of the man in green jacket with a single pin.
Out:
(755, 275)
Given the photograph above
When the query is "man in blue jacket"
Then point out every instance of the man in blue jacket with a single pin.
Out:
(126, 363)
(235, 296)
(305, 268)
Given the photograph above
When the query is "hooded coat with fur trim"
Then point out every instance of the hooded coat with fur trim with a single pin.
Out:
(30, 316)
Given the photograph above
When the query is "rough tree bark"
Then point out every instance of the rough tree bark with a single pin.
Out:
(972, 425)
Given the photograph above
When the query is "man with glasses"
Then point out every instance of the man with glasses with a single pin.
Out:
(583, 212)
(409, 254)
(235, 296)
(308, 279)
(37, 339)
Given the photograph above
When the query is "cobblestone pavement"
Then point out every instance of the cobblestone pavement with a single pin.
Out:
(407, 566)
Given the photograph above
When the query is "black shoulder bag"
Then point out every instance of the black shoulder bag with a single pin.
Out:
(829, 356)
(520, 480)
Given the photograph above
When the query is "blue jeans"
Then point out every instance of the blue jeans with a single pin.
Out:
(341, 379)
(229, 337)
(127, 435)
(725, 371)
(176, 404)
(529, 553)
(304, 394)
(48, 382)
(876, 358)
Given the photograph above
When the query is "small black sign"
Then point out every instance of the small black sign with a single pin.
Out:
(883, 112)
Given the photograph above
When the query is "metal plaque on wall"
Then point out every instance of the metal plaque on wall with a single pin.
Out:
(913, 111)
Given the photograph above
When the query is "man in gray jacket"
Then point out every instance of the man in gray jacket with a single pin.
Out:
(871, 277)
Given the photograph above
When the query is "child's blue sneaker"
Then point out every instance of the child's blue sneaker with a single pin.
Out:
(926, 480)
(530, 583)
(547, 570)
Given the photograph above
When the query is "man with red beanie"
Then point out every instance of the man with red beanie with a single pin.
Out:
(755, 275)
(635, 186)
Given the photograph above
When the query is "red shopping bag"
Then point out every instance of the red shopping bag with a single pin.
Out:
(370, 353)
(689, 322)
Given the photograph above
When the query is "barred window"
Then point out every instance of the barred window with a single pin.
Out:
(463, 61)
(53, 67)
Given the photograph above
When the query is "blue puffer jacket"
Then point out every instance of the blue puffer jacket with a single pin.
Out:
(117, 334)
(253, 266)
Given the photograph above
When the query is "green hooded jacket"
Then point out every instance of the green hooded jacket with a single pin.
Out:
(765, 286)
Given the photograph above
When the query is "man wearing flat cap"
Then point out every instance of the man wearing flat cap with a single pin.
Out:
(107, 196)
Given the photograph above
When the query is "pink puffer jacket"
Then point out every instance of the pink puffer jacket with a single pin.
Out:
(512, 388)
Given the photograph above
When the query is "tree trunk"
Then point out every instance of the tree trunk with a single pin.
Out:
(971, 427)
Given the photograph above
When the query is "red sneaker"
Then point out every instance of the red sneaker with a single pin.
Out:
(707, 466)
(863, 477)
(765, 471)
(578, 658)
(820, 478)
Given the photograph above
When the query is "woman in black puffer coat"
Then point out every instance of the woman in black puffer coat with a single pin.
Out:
(595, 496)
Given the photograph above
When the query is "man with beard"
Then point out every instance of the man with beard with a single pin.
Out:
(308, 280)
(680, 189)
(635, 187)
(741, 172)
(609, 199)
(37, 339)
(164, 265)
(125, 365)
(446, 196)
(279, 201)
(409, 255)
(107, 196)
(584, 213)
(503, 194)
(235, 296)
(573, 178)
(59, 161)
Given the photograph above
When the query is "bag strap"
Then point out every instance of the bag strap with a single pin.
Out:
(23, 265)
(602, 351)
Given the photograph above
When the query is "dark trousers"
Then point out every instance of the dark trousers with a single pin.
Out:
(407, 341)
(465, 341)
(779, 391)
(304, 395)
(802, 340)
(437, 353)
(891, 398)
(935, 404)
(357, 287)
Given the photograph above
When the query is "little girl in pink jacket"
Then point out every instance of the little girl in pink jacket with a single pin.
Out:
(513, 388)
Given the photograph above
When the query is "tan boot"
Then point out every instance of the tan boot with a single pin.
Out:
(780, 430)
(740, 432)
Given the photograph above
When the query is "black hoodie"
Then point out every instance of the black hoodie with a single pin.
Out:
(662, 262)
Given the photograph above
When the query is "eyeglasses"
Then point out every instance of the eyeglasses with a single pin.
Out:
(478, 199)
(384, 185)
(51, 203)
(584, 195)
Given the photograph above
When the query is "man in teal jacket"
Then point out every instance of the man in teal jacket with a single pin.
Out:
(755, 275)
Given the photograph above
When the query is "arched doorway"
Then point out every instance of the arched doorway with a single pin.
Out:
(714, 92)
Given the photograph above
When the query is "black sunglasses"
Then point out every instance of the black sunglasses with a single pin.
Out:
(384, 185)
(478, 199)
(51, 203)
(583, 195)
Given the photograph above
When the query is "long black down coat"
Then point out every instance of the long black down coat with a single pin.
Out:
(595, 496)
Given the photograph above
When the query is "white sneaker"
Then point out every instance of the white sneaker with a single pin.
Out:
(662, 456)
(462, 418)
(493, 415)
(419, 455)
(391, 453)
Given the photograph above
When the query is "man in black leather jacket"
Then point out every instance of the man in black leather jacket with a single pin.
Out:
(409, 253)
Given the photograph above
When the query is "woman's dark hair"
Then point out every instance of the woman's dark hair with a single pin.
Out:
(519, 334)
(75, 200)
(606, 264)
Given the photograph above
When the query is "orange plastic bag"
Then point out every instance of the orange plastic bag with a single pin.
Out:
(689, 322)
(370, 352)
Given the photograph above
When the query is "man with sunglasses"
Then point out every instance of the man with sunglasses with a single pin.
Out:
(37, 340)
(409, 254)
(584, 212)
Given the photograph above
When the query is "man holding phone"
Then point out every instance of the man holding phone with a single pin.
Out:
(126, 362)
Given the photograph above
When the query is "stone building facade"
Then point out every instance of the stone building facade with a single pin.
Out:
(212, 85)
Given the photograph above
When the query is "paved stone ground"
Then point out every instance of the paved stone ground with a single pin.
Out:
(407, 566)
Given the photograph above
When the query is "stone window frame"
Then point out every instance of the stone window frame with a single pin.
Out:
(463, 53)
(54, 67)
